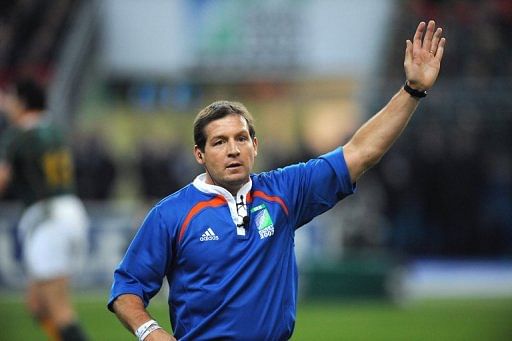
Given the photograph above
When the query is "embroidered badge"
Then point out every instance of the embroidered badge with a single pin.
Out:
(263, 221)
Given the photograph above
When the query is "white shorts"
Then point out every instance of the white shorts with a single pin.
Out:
(54, 233)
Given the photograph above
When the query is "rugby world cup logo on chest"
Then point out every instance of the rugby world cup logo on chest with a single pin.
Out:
(263, 221)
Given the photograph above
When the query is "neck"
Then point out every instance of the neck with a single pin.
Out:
(231, 189)
(203, 185)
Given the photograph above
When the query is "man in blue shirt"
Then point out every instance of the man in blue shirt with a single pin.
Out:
(225, 242)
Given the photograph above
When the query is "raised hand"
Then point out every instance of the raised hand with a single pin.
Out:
(423, 56)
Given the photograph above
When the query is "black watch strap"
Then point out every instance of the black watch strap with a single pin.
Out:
(414, 92)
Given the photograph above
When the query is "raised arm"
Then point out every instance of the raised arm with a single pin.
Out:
(422, 63)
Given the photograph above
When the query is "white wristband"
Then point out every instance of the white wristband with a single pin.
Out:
(146, 328)
(148, 331)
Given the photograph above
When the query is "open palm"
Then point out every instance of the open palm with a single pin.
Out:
(423, 56)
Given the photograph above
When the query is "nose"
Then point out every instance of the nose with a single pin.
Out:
(233, 149)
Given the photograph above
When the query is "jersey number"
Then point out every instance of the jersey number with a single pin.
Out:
(57, 168)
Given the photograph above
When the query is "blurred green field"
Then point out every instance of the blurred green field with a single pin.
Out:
(457, 319)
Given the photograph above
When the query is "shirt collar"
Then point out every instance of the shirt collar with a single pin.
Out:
(200, 184)
(237, 205)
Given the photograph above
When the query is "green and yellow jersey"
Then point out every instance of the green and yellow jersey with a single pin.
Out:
(40, 161)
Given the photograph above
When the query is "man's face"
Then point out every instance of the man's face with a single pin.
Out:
(229, 152)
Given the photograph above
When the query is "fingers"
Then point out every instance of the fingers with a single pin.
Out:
(440, 49)
(416, 41)
(435, 41)
(427, 40)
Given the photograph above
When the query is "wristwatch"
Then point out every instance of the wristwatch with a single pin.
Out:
(413, 92)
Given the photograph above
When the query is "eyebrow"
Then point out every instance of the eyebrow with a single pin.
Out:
(222, 136)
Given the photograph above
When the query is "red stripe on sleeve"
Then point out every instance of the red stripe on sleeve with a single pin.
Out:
(215, 202)
(273, 198)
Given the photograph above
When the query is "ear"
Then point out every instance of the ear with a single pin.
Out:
(255, 145)
(198, 154)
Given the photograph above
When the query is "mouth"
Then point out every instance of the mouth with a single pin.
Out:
(233, 165)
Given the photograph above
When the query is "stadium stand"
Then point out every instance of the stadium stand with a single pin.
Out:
(455, 161)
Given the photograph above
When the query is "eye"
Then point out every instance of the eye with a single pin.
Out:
(243, 138)
(218, 142)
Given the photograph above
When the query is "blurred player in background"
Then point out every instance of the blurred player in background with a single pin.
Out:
(36, 161)
(226, 241)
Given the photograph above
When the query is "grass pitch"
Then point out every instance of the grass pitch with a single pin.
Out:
(457, 319)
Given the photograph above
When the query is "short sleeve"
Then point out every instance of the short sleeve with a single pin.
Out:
(146, 261)
(316, 186)
(336, 160)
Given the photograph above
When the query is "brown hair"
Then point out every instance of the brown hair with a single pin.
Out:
(218, 110)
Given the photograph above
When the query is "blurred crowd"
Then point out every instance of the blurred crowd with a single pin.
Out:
(449, 188)
(30, 35)
(478, 34)
(448, 181)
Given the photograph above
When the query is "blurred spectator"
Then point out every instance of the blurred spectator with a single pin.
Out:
(162, 168)
(94, 168)
(8, 193)
(36, 160)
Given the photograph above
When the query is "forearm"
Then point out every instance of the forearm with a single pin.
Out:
(377, 135)
(130, 310)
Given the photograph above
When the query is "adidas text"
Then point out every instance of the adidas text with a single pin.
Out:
(205, 238)
(209, 235)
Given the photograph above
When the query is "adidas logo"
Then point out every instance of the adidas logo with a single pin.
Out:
(209, 235)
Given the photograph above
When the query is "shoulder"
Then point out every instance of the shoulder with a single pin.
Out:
(331, 164)
(176, 199)
(277, 180)
(296, 170)
(267, 178)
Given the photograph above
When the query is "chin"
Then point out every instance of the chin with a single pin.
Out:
(236, 180)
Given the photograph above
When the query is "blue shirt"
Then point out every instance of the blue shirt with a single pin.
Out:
(228, 282)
